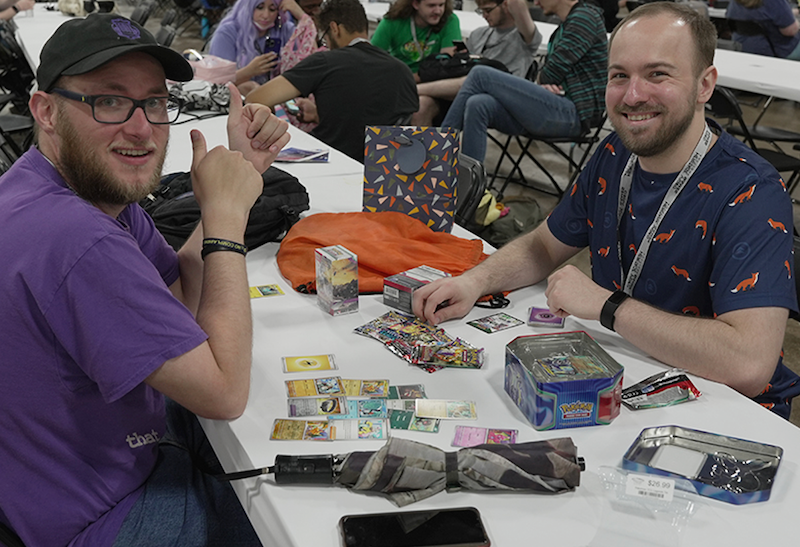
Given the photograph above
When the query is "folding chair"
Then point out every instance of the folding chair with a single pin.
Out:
(723, 104)
(17, 134)
(759, 132)
(165, 35)
(588, 138)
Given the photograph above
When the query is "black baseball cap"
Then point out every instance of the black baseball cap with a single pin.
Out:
(82, 45)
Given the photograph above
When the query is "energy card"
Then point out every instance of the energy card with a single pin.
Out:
(310, 363)
(473, 436)
(366, 388)
(445, 410)
(321, 406)
(541, 317)
(360, 429)
(315, 387)
(364, 408)
(496, 322)
(300, 430)
(265, 290)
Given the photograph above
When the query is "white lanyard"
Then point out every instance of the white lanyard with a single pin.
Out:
(674, 190)
(419, 46)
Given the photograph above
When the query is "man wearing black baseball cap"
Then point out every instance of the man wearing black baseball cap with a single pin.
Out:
(112, 342)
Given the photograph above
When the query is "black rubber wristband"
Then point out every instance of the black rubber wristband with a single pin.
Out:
(212, 244)
(610, 308)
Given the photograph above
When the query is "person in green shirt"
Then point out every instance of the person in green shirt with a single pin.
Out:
(414, 29)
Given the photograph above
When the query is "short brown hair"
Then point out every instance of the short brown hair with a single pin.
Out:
(700, 27)
(348, 13)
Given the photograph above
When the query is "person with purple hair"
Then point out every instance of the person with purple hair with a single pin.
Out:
(252, 35)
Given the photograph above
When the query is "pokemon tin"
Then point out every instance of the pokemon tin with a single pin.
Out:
(563, 380)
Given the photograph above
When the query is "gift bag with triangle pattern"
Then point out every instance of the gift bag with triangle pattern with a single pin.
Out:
(412, 170)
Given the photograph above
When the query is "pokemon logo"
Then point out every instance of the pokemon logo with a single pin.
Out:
(576, 410)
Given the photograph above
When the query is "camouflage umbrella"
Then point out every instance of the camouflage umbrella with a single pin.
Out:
(407, 471)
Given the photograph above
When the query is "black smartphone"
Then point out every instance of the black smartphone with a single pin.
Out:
(459, 527)
(273, 45)
(460, 46)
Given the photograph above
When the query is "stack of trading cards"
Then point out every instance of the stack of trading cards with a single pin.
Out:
(426, 346)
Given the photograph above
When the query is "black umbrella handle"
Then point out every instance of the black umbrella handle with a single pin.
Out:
(303, 469)
(291, 470)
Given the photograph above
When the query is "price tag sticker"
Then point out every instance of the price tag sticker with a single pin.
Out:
(650, 487)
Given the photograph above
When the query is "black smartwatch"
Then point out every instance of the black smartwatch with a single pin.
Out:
(610, 308)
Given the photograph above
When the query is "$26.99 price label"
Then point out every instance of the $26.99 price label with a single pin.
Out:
(650, 487)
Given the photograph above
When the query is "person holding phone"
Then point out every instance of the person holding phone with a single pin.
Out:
(252, 35)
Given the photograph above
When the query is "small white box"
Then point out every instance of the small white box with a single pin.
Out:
(337, 280)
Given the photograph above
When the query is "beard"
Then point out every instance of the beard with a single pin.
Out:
(666, 137)
(91, 179)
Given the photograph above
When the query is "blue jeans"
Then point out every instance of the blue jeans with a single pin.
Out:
(182, 504)
(513, 105)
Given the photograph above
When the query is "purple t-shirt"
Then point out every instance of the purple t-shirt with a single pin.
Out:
(85, 315)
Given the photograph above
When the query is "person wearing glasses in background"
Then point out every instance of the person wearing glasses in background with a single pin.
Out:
(112, 342)
(511, 38)
(355, 84)
(414, 29)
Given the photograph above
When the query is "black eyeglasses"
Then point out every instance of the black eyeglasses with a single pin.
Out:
(115, 109)
(321, 41)
(487, 11)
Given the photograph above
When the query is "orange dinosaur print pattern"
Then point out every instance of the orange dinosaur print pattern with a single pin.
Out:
(746, 284)
(744, 196)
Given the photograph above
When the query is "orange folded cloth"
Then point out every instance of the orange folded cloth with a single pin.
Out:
(386, 243)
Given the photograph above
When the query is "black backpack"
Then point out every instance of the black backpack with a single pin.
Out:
(176, 213)
(440, 66)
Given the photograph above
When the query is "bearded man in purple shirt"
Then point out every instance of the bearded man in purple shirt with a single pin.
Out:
(102, 321)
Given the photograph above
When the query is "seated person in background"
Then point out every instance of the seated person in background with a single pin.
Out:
(414, 29)
(111, 341)
(766, 27)
(355, 84)
(510, 38)
(303, 42)
(9, 8)
(252, 34)
(567, 100)
(701, 285)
